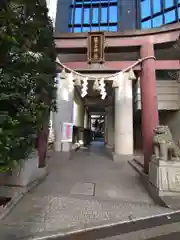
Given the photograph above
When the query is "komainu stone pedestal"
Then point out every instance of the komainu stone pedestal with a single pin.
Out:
(164, 181)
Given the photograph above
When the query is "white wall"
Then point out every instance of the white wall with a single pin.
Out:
(64, 111)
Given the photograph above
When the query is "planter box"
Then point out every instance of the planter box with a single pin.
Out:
(22, 176)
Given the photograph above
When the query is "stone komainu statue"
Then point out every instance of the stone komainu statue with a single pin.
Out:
(164, 146)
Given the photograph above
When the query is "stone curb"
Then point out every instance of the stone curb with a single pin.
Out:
(110, 229)
(18, 196)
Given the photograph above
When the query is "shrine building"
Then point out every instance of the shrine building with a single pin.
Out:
(119, 64)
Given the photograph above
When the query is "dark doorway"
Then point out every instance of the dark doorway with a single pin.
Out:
(97, 128)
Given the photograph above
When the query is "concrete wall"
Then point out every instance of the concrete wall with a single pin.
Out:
(128, 15)
(172, 119)
(168, 95)
(63, 15)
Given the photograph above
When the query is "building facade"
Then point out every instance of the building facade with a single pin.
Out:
(114, 15)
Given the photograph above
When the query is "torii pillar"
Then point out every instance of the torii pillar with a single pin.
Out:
(149, 103)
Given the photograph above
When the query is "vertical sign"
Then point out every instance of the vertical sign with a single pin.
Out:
(96, 47)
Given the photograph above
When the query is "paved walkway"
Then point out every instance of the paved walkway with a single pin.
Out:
(89, 189)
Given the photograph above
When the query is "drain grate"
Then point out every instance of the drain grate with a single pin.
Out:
(86, 189)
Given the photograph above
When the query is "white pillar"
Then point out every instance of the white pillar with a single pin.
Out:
(123, 148)
(64, 114)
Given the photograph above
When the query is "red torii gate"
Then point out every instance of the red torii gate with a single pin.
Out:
(145, 40)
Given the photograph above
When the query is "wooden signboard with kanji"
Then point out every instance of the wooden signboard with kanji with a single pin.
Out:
(96, 47)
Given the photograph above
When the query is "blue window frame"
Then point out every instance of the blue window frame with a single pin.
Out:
(156, 6)
(155, 13)
(94, 15)
(113, 14)
(157, 21)
(104, 15)
(170, 16)
(168, 3)
(146, 24)
(86, 15)
(77, 15)
(145, 8)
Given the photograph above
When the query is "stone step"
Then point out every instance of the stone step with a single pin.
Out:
(137, 165)
(139, 161)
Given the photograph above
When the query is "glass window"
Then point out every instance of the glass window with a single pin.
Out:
(113, 14)
(157, 21)
(104, 13)
(113, 28)
(170, 16)
(146, 24)
(156, 6)
(104, 28)
(95, 15)
(86, 15)
(169, 3)
(179, 11)
(78, 16)
(145, 8)
(90, 14)
(77, 29)
(86, 29)
(94, 29)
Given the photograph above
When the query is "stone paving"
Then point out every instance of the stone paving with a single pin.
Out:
(89, 189)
